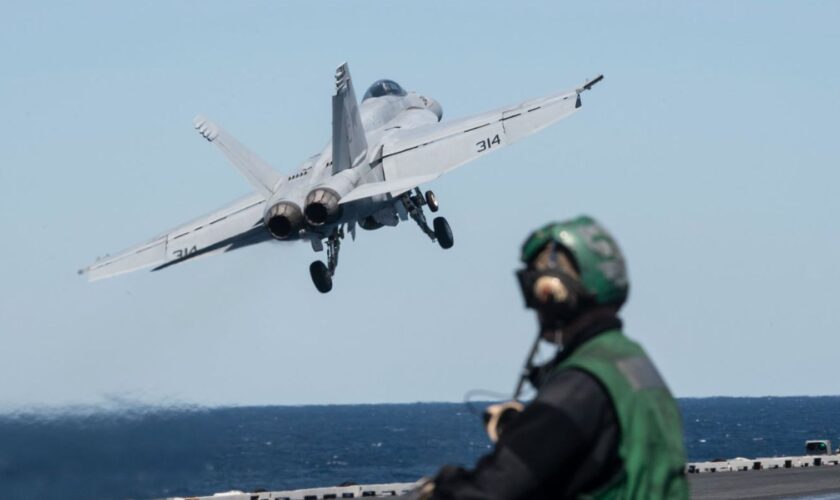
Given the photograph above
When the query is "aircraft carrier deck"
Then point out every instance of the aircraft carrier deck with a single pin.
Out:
(797, 482)
(806, 482)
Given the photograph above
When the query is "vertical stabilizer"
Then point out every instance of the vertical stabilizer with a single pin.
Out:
(348, 136)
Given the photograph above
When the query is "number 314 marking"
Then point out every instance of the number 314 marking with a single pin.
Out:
(488, 143)
(183, 252)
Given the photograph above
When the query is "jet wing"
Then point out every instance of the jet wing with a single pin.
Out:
(430, 151)
(233, 226)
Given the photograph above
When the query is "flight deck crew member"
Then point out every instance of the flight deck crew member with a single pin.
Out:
(603, 423)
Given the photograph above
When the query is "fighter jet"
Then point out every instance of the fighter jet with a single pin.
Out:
(369, 176)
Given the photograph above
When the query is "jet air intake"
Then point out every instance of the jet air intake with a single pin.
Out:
(283, 219)
(322, 206)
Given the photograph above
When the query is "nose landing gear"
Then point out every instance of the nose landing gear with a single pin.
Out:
(432, 201)
(443, 233)
(413, 204)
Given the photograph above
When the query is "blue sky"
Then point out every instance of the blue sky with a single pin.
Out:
(710, 150)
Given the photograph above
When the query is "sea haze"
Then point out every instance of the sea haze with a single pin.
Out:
(144, 453)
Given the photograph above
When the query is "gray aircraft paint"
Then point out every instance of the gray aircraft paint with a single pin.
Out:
(381, 150)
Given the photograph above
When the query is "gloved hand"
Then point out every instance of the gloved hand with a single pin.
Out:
(497, 416)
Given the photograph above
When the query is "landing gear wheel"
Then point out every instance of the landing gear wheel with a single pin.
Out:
(443, 233)
(321, 276)
(432, 201)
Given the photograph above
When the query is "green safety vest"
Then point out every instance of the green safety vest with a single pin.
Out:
(651, 443)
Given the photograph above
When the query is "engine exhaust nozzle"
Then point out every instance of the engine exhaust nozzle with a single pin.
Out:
(322, 206)
(283, 220)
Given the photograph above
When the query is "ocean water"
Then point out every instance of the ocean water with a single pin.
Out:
(154, 452)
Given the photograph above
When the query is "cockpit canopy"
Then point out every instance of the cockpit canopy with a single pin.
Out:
(384, 87)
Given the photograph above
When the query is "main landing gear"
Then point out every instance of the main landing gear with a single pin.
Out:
(322, 273)
(413, 204)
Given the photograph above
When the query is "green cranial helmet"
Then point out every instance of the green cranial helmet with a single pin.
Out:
(596, 254)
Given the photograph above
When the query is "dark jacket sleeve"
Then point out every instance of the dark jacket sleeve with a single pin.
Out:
(564, 442)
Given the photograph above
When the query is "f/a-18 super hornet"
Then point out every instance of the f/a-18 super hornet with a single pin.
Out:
(368, 176)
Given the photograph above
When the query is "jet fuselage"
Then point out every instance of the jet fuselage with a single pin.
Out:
(296, 211)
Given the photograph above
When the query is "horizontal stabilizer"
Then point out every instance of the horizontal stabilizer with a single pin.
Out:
(394, 188)
(258, 173)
